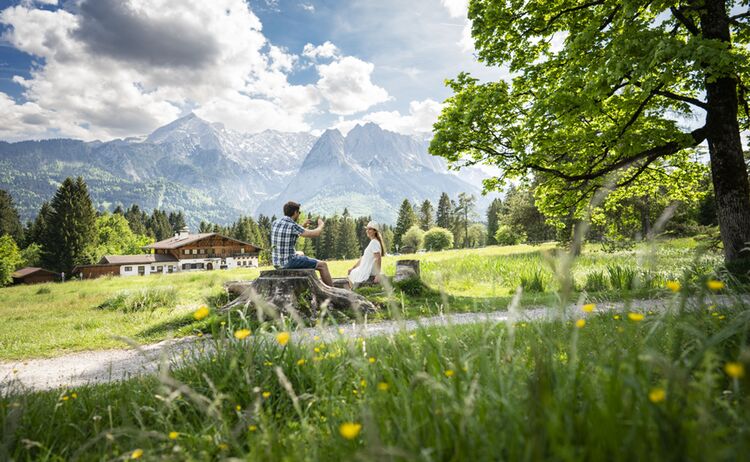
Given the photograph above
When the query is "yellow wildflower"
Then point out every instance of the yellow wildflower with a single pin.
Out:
(383, 386)
(238, 407)
(252, 428)
(674, 286)
(266, 394)
(580, 323)
(363, 382)
(341, 331)
(74, 395)
(316, 338)
(616, 317)
(657, 395)
(449, 373)
(371, 360)
(350, 430)
(223, 446)
(316, 349)
(241, 334)
(267, 363)
(173, 435)
(201, 313)
(715, 285)
(635, 317)
(300, 362)
(735, 370)
(137, 454)
(588, 308)
(65, 397)
(282, 338)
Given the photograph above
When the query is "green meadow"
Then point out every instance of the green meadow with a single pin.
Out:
(53, 319)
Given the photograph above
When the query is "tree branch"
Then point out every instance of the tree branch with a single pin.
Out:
(659, 151)
(746, 14)
(685, 99)
(561, 13)
(685, 21)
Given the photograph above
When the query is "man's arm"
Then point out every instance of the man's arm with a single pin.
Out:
(314, 232)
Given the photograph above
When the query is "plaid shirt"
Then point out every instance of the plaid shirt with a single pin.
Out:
(284, 234)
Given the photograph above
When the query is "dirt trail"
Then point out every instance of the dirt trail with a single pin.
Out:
(75, 370)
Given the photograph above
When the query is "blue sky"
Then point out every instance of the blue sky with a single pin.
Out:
(106, 69)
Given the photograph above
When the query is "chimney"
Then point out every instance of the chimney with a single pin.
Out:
(184, 232)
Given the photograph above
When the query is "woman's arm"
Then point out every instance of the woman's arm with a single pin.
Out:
(355, 265)
(378, 260)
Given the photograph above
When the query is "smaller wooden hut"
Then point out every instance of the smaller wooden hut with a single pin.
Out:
(34, 275)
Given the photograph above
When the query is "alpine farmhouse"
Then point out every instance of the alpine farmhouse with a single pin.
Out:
(183, 252)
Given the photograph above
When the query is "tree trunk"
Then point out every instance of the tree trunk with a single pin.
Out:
(728, 169)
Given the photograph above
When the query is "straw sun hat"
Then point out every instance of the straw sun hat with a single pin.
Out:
(374, 225)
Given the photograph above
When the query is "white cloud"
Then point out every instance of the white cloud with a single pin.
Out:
(422, 115)
(308, 7)
(326, 50)
(347, 87)
(115, 69)
(456, 8)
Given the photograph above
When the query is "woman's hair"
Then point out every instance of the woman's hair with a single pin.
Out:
(380, 239)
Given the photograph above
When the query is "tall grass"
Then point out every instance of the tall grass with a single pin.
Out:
(142, 300)
(615, 389)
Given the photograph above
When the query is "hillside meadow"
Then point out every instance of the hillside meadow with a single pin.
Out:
(52, 319)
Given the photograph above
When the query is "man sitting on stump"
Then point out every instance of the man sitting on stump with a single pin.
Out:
(284, 234)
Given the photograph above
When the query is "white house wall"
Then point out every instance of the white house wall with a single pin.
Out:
(177, 266)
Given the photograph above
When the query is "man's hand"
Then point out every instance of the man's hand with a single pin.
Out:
(307, 223)
(321, 223)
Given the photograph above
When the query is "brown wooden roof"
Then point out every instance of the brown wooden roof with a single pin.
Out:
(142, 259)
(179, 241)
(23, 272)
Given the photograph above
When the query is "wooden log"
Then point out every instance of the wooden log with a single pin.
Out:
(295, 293)
(406, 269)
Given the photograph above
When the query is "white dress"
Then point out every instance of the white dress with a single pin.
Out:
(366, 266)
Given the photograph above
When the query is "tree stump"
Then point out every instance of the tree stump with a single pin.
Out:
(406, 269)
(295, 293)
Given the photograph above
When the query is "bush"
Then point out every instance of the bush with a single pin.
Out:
(534, 281)
(506, 236)
(438, 238)
(149, 299)
(621, 277)
(413, 238)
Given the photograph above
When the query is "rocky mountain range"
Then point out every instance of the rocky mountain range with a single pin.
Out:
(215, 174)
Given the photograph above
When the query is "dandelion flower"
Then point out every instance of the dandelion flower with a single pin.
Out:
(674, 286)
(580, 323)
(238, 407)
(300, 362)
(74, 395)
(282, 338)
(341, 330)
(65, 398)
(616, 317)
(371, 360)
(137, 454)
(588, 308)
(383, 386)
(223, 446)
(252, 428)
(266, 394)
(350, 430)
(715, 285)
(657, 395)
(201, 313)
(316, 338)
(241, 334)
(173, 435)
(735, 370)
(449, 373)
(363, 382)
(635, 317)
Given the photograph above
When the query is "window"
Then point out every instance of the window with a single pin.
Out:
(203, 251)
(195, 251)
(128, 268)
(242, 250)
(186, 252)
(153, 268)
(185, 266)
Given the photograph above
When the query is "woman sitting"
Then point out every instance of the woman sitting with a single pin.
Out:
(369, 263)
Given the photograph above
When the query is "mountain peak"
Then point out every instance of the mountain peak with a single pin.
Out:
(189, 126)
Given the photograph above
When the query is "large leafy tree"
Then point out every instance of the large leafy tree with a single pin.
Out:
(598, 89)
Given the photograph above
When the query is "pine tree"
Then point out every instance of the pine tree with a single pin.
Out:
(71, 227)
(406, 219)
(137, 220)
(464, 213)
(426, 213)
(444, 215)
(347, 245)
(359, 226)
(204, 227)
(10, 223)
(38, 228)
(177, 221)
(159, 226)
(328, 239)
(493, 219)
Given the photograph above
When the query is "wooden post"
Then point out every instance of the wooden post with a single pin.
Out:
(406, 269)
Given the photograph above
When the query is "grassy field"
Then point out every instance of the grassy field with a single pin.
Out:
(53, 319)
(619, 386)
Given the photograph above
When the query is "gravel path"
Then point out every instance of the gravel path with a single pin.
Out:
(75, 370)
